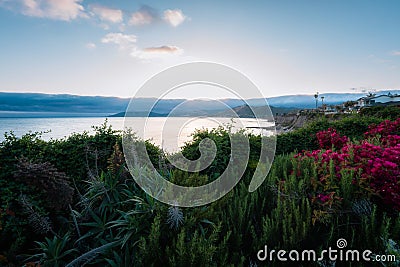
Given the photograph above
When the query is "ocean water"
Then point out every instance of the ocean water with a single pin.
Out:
(170, 133)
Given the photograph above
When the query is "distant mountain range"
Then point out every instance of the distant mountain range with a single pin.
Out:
(64, 105)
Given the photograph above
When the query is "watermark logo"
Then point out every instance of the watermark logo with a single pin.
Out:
(341, 243)
(162, 84)
(331, 254)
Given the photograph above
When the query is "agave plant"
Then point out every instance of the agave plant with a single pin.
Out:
(97, 226)
(54, 252)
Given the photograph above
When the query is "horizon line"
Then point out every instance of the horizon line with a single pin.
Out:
(199, 98)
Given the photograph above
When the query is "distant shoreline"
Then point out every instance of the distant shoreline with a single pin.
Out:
(48, 115)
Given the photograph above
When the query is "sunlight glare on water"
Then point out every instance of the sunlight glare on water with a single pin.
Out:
(171, 141)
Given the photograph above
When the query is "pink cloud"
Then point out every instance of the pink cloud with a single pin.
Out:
(54, 9)
(107, 14)
(145, 15)
(174, 17)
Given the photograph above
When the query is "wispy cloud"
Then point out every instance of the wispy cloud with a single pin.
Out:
(128, 43)
(54, 9)
(145, 15)
(148, 15)
(68, 10)
(123, 41)
(90, 45)
(174, 17)
(165, 49)
(107, 14)
(395, 53)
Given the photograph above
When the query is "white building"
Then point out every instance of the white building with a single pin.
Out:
(378, 100)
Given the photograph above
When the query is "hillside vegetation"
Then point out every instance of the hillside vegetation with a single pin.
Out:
(71, 202)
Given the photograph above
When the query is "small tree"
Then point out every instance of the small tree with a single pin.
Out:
(316, 100)
(349, 104)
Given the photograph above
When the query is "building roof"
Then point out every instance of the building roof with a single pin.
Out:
(375, 97)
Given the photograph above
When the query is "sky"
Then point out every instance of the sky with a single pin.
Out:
(111, 47)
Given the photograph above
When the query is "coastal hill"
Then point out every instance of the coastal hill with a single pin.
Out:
(64, 105)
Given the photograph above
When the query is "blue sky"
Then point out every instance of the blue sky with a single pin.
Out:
(112, 47)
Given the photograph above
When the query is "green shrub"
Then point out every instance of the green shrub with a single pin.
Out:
(111, 221)
(383, 112)
(353, 126)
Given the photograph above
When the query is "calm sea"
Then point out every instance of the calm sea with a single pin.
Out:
(170, 133)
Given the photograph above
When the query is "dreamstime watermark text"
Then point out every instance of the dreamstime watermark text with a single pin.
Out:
(338, 253)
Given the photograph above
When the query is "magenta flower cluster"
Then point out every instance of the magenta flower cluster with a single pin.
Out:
(329, 138)
(374, 162)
